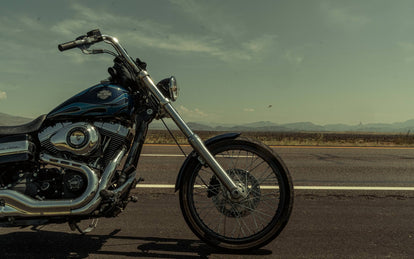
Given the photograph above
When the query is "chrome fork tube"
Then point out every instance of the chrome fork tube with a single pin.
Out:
(193, 138)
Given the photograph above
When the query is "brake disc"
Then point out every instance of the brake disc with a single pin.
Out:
(235, 207)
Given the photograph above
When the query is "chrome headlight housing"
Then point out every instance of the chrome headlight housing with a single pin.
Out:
(169, 88)
(173, 88)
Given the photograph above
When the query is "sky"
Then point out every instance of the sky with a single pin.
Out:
(236, 61)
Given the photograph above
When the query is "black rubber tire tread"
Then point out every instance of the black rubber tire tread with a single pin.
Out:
(278, 222)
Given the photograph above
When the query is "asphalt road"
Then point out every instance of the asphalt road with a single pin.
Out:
(335, 223)
(309, 166)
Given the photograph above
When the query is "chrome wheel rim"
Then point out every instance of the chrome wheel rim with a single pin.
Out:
(242, 218)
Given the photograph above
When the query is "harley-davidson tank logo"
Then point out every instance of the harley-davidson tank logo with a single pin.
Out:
(104, 94)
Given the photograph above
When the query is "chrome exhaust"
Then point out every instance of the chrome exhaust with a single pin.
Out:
(104, 184)
(13, 203)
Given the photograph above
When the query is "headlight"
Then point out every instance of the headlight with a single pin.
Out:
(169, 88)
(173, 88)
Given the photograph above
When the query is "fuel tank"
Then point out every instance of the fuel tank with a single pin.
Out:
(104, 100)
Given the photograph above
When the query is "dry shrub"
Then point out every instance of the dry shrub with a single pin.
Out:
(296, 138)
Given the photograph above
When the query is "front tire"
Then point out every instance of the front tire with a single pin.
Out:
(242, 224)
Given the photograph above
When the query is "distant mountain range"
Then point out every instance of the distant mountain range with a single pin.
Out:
(10, 120)
(398, 127)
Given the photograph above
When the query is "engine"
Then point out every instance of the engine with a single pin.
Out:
(51, 183)
(91, 143)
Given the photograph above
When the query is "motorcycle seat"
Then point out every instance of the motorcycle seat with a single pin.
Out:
(32, 126)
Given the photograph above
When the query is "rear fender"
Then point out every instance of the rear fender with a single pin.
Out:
(192, 157)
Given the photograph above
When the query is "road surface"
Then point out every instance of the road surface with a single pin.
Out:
(349, 202)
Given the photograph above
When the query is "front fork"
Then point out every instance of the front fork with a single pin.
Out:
(194, 140)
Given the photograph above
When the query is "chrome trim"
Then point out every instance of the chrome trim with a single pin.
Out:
(103, 185)
(173, 89)
(197, 144)
(121, 189)
(49, 131)
(8, 210)
(60, 139)
(147, 80)
(113, 127)
(18, 204)
(121, 51)
(15, 147)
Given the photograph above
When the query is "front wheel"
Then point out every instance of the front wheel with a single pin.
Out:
(238, 224)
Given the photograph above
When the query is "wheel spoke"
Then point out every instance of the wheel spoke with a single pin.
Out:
(220, 216)
(251, 169)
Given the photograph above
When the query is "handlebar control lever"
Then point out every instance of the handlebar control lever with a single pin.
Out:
(94, 33)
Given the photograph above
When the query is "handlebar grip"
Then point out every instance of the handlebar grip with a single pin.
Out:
(71, 44)
(68, 45)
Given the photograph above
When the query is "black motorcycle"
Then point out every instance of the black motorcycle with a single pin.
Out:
(79, 162)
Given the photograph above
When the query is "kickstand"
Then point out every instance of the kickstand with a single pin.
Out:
(74, 226)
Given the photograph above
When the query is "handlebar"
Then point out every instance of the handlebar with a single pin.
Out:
(139, 72)
(95, 36)
(91, 37)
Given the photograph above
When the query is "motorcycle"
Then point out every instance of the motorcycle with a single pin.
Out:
(79, 162)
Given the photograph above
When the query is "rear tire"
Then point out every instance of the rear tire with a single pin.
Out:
(242, 224)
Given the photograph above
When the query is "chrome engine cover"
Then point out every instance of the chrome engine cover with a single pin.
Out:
(84, 138)
(79, 138)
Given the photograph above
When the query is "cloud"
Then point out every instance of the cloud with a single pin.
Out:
(145, 33)
(191, 114)
(209, 17)
(3, 95)
(227, 39)
(293, 58)
(151, 34)
(261, 43)
(21, 46)
(223, 39)
(343, 16)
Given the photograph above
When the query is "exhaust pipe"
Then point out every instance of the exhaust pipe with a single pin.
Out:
(104, 184)
(14, 203)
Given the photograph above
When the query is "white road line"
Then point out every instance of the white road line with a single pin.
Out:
(181, 155)
(355, 188)
(156, 186)
(349, 188)
(305, 147)
(163, 155)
